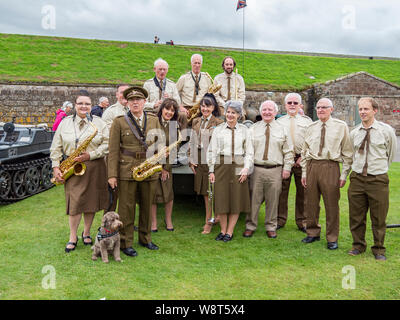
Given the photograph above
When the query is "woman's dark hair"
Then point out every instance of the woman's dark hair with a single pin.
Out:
(83, 93)
(168, 103)
(209, 100)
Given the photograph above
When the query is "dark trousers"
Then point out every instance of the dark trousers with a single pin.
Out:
(368, 192)
(283, 199)
(322, 179)
(130, 193)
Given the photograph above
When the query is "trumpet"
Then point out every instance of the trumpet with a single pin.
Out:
(211, 201)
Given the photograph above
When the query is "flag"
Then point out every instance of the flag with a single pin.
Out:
(241, 4)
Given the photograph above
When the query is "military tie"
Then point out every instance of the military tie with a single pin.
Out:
(322, 140)
(81, 124)
(292, 129)
(365, 144)
(267, 133)
(161, 89)
(196, 87)
(233, 142)
(229, 89)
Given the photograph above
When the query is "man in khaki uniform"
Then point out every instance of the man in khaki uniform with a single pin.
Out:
(295, 125)
(193, 85)
(233, 87)
(374, 145)
(117, 109)
(273, 160)
(132, 136)
(326, 144)
(160, 88)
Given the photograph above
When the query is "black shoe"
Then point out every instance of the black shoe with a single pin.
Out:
(150, 246)
(87, 237)
(166, 228)
(332, 245)
(380, 257)
(220, 237)
(154, 230)
(227, 237)
(130, 252)
(310, 239)
(68, 250)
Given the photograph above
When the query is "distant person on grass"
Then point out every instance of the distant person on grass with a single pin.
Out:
(374, 144)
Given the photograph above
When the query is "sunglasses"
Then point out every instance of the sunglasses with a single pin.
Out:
(292, 103)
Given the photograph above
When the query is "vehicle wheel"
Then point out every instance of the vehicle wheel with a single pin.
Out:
(5, 184)
(47, 174)
(18, 184)
(32, 180)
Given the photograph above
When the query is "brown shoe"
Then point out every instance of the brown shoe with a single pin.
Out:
(271, 234)
(248, 233)
(354, 252)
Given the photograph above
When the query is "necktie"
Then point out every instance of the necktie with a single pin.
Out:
(229, 89)
(322, 141)
(292, 129)
(233, 142)
(365, 144)
(267, 132)
(196, 87)
(139, 122)
(81, 124)
(161, 89)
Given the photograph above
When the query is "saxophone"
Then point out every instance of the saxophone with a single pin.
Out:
(195, 110)
(151, 165)
(69, 166)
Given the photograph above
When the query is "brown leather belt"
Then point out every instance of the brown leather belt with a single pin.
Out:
(136, 155)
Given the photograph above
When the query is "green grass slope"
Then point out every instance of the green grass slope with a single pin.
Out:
(67, 60)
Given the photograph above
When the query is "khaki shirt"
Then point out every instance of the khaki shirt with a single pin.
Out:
(337, 146)
(300, 125)
(382, 148)
(222, 94)
(112, 112)
(68, 131)
(121, 136)
(221, 145)
(280, 148)
(201, 139)
(154, 93)
(186, 87)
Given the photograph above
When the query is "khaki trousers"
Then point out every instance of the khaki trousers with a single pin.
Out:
(266, 185)
(283, 199)
(368, 192)
(322, 179)
(129, 191)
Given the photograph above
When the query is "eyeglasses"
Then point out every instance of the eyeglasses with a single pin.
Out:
(292, 102)
(83, 104)
(322, 107)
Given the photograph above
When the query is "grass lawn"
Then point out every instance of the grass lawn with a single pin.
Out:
(54, 59)
(190, 265)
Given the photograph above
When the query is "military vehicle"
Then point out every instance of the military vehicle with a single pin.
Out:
(25, 166)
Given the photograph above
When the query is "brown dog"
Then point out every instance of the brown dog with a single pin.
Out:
(108, 239)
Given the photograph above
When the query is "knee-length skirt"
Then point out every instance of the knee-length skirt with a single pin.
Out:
(164, 190)
(89, 192)
(201, 177)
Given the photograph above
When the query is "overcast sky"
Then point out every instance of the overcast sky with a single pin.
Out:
(360, 27)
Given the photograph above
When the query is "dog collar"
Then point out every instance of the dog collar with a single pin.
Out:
(101, 236)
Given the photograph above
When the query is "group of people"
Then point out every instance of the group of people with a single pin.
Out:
(246, 165)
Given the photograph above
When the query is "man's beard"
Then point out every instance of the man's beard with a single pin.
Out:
(228, 71)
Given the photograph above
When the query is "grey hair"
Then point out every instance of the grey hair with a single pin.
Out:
(159, 60)
(266, 101)
(329, 101)
(235, 105)
(293, 94)
(67, 104)
(102, 99)
(196, 55)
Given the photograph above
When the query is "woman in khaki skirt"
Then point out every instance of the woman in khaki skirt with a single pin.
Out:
(202, 129)
(87, 193)
(230, 158)
(168, 117)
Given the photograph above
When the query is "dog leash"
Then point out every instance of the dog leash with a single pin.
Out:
(110, 198)
(101, 236)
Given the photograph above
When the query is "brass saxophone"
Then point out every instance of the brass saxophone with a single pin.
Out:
(69, 166)
(195, 110)
(151, 165)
